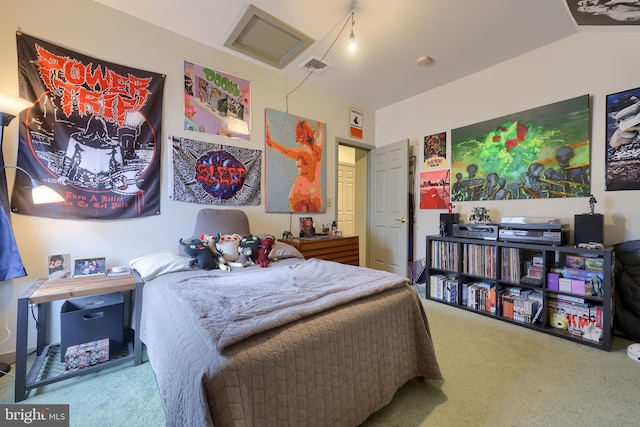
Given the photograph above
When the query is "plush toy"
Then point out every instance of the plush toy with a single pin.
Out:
(245, 259)
(202, 255)
(226, 244)
(252, 242)
(262, 258)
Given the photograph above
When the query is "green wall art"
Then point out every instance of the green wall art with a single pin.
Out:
(539, 153)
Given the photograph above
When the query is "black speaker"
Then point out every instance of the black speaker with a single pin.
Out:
(588, 228)
(446, 223)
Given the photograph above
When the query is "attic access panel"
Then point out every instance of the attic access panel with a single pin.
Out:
(267, 39)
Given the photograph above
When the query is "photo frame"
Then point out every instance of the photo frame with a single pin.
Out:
(89, 266)
(59, 266)
(306, 227)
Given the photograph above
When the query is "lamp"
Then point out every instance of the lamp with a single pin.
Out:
(352, 37)
(10, 261)
(40, 193)
(10, 106)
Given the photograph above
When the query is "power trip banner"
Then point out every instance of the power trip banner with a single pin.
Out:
(214, 174)
(93, 134)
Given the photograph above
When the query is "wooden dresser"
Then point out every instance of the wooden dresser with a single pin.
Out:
(339, 249)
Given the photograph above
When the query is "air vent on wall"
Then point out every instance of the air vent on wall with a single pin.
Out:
(315, 65)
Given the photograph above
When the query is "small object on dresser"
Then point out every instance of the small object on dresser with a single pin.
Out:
(87, 354)
(119, 270)
(307, 228)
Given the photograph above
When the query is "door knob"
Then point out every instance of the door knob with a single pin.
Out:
(402, 220)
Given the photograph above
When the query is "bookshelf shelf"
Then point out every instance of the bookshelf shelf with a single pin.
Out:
(558, 290)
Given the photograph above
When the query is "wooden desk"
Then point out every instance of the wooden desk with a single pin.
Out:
(345, 250)
(41, 294)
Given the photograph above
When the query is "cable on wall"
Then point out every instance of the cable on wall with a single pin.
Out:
(349, 18)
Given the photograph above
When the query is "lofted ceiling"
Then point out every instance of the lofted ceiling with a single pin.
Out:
(460, 37)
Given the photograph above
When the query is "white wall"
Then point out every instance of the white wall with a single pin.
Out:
(595, 63)
(92, 29)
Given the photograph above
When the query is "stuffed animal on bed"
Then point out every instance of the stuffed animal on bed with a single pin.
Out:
(262, 257)
(247, 251)
(245, 259)
(203, 256)
(225, 244)
(252, 242)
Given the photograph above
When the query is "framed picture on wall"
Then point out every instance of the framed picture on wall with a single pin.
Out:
(296, 163)
(540, 153)
(623, 144)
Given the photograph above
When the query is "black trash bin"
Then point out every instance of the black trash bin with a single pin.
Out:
(92, 318)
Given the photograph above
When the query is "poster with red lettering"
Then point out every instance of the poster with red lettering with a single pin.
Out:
(93, 134)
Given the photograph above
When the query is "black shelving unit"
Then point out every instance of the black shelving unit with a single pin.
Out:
(465, 262)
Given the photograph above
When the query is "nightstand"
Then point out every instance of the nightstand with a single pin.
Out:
(45, 369)
(345, 250)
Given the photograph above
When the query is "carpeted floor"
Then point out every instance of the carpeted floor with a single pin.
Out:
(496, 374)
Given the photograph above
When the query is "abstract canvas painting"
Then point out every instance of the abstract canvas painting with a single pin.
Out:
(539, 153)
(296, 172)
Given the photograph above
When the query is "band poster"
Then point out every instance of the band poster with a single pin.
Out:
(216, 102)
(623, 144)
(434, 189)
(214, 174)
(435, 151)
(92, 135)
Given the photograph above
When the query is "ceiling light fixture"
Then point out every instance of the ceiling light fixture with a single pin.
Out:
(423, 61)
(352, 37)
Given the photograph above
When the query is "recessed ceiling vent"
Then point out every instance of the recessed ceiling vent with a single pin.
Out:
(315, 65)
(266, 38)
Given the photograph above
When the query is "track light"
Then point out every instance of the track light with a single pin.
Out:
(352, 37)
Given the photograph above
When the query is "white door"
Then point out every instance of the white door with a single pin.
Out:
(388, 207)
(346, 199)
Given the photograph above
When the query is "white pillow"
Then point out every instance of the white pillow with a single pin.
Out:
(157, 263)
(281, 250)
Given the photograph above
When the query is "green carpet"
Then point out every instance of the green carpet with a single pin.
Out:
(496, 374)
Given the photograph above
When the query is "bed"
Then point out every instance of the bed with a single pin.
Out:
(300, 342)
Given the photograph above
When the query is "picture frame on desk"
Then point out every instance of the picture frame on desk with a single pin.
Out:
(306, 227)
(59, 266)
(89, 266)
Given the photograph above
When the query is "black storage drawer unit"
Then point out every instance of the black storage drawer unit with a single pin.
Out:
(92, 318)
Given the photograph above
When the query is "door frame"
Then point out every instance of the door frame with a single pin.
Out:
(363, 221)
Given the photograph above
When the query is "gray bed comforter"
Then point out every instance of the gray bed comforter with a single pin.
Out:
(298, 343)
